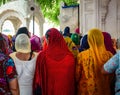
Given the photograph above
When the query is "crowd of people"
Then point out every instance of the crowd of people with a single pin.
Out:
(59, 63)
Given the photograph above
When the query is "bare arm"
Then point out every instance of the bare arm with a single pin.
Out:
(13, 84)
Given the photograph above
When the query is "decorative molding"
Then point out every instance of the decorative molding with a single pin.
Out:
(105, 7)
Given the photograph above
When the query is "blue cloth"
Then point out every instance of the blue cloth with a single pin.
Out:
(84, 44)
(114, 65)
(67, 31)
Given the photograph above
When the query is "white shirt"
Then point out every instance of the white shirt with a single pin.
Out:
(25, 70)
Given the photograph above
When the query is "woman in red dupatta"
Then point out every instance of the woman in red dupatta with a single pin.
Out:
(55, 67)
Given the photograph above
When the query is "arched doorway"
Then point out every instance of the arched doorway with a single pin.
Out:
(8, 28)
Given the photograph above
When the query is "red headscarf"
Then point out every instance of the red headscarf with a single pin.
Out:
(53, 61)
(77, 31)
(57, 46)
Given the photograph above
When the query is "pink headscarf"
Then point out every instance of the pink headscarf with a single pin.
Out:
(77, 31)
(36, 44)
(8, 43)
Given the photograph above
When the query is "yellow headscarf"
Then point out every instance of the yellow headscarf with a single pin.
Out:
(89, 65)
(96, 43)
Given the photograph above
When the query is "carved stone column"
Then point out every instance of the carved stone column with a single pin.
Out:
(104, 12)
(88, 15)
(118, 18)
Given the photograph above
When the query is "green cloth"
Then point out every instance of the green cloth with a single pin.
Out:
(75, 38)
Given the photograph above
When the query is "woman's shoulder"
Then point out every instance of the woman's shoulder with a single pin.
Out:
(108, 53)
(12, 55)
(84, 53)
(35, 53)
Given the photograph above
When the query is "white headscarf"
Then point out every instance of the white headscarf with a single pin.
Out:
(22, 43)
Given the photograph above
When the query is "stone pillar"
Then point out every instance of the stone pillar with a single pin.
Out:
(118, 18)
(88, 15)
(26, 22)
(104, 12)
(41, 30)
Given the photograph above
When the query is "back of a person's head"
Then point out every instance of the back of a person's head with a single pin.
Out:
(84, 43)
(22, 43)
(56, 48)
(97, 46)
(8, 43)
(66, 31)
(95, 37)
(108, 42)
(36, 43)
(23, 30)
(53, 35)
(3, 44)
(77, 30)
(75, 38)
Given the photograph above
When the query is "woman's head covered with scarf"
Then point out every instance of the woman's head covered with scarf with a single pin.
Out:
(75, 38)
(96, 44)
(3, 45)
(84, 43)
(36, 44)
(108, 42)
(23, 30)
(67, 31)
(77, 31)
(57, 48)
(22, 43)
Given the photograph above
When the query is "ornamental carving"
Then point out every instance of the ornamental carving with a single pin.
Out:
(105, 6)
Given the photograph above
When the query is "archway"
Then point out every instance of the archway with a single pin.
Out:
(8, 28)
(19, 13)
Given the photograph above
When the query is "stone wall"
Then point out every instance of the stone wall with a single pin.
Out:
(69, 17)
(103, 14)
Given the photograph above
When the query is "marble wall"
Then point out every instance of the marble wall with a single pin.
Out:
(69, 16)
(103, 14)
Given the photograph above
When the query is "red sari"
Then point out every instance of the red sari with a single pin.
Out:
(55, 67)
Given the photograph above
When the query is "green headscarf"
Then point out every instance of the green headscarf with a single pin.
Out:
(75, 38)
